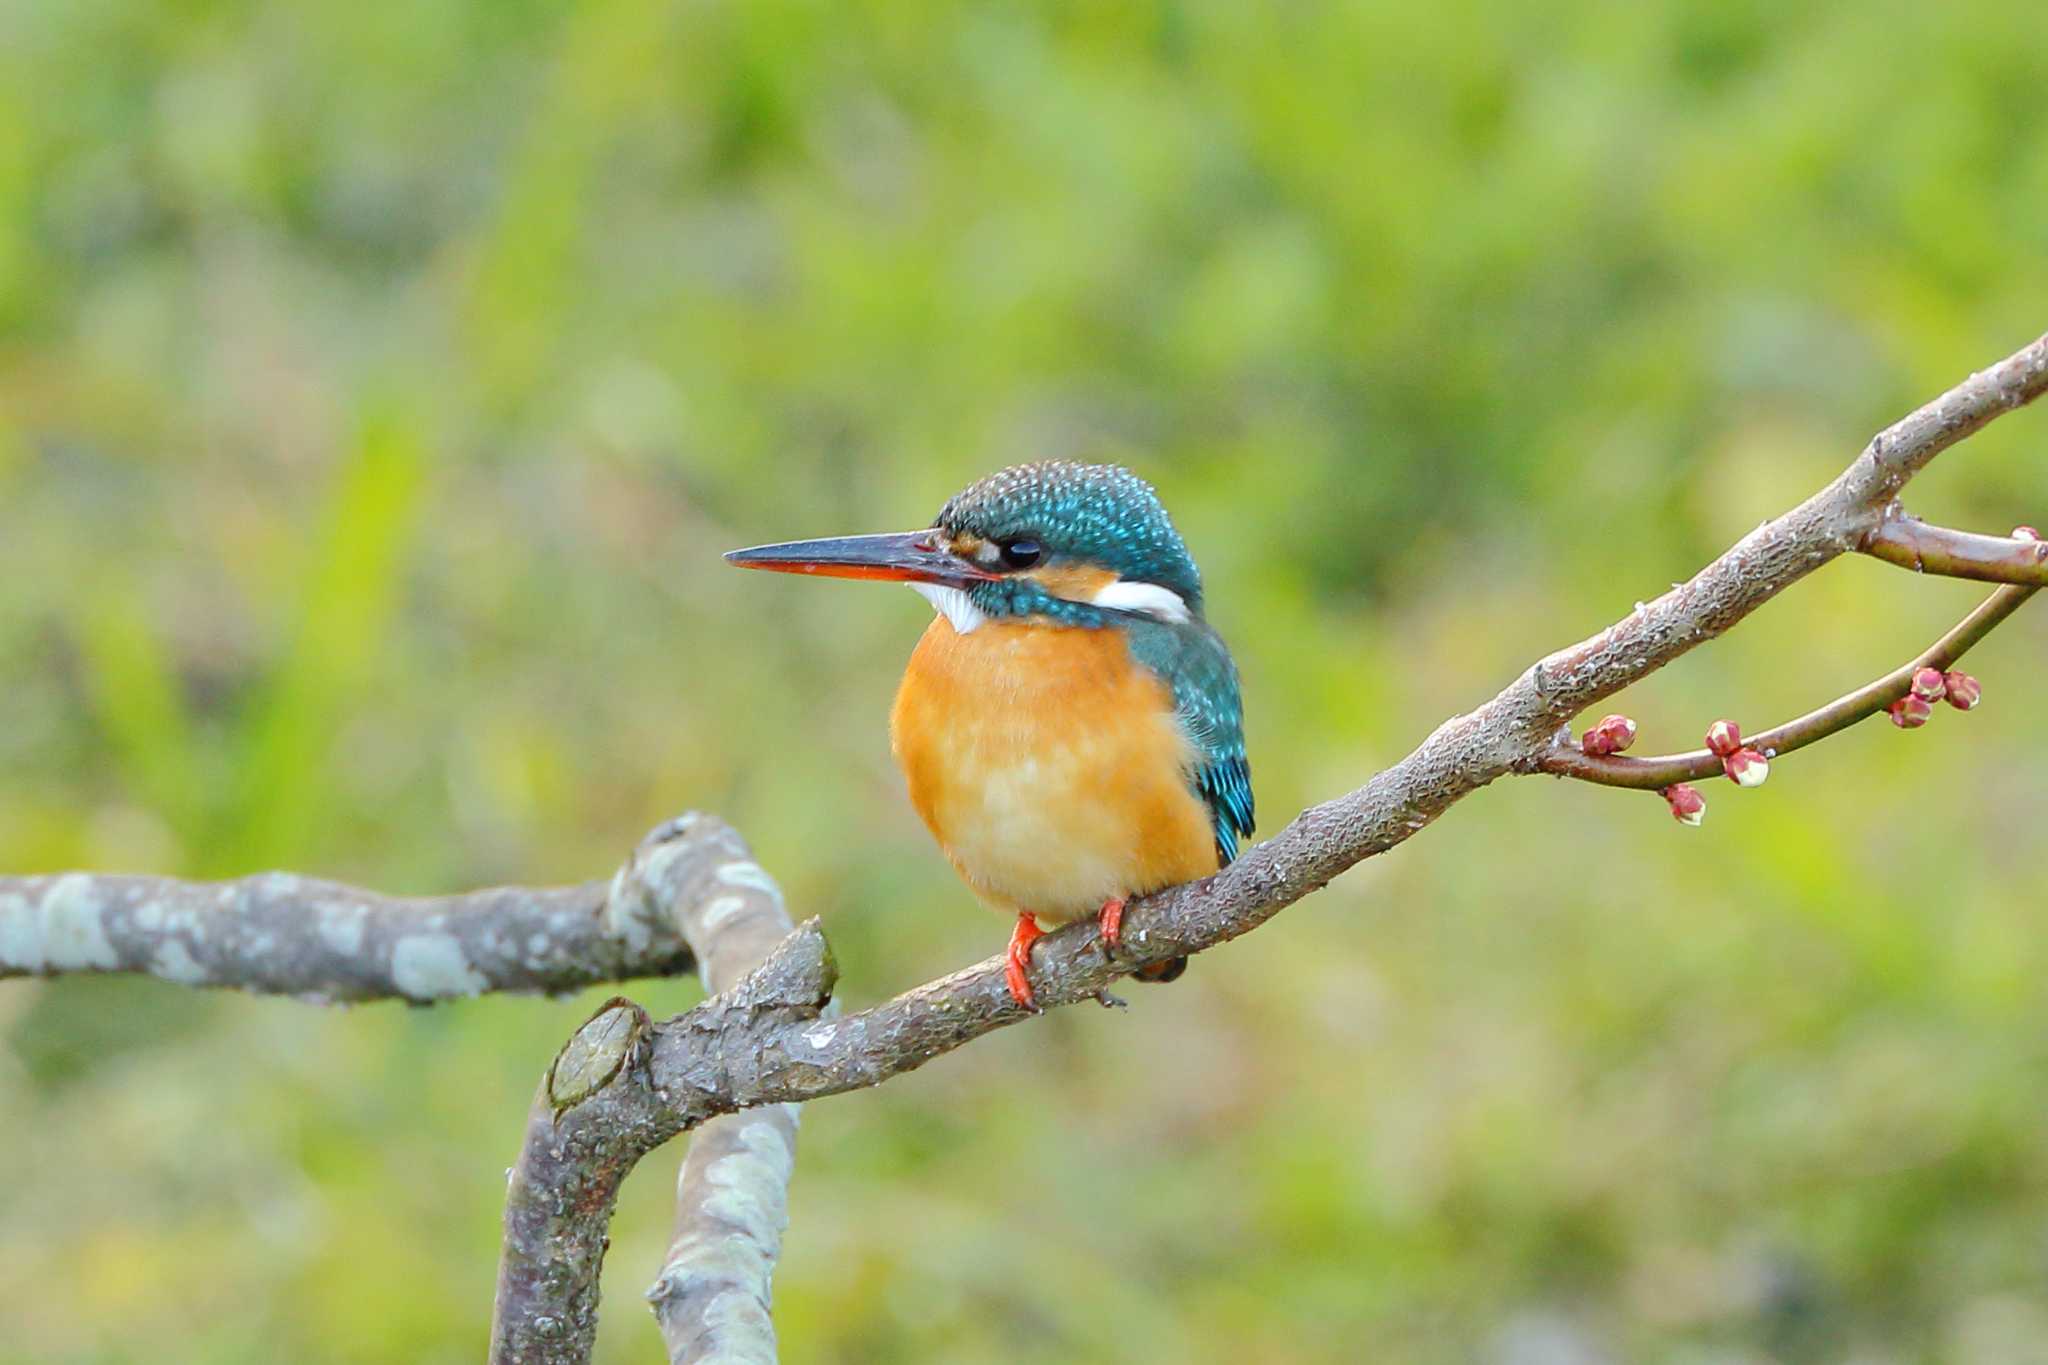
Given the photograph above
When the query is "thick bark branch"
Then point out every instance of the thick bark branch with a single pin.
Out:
(1654, 774)
(713, 1293)
(596, 1116)
(282, 934)
(606, 1102)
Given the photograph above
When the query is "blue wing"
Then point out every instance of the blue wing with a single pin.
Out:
(1192, 659)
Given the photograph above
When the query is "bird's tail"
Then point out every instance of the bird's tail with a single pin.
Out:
(1159, 973)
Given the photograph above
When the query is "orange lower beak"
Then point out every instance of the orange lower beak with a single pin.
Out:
(896, 556)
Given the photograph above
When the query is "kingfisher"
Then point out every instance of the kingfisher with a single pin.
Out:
(1070, 726)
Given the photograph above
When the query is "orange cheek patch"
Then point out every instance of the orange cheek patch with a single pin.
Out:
(1075, 582)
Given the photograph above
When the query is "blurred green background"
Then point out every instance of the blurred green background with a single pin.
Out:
(379, 382)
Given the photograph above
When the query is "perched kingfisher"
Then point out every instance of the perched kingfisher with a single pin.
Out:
(1069, 725)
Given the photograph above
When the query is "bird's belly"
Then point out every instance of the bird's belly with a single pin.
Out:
(1049, 766)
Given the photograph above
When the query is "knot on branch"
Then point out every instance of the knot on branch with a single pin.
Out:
(596, 1053)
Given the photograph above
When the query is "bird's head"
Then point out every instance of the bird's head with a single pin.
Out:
(1069, 544)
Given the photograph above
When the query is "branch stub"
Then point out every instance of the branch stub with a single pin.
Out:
(596, 1053)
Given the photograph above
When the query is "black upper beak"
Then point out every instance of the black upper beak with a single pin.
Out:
(896, 556)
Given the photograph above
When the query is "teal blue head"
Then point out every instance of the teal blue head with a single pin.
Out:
(1063, 543)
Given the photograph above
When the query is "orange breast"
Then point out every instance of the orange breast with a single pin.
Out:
(1049, 766)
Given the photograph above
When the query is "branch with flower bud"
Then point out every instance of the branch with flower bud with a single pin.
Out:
(625, 1083)
(1907, 694)
(790, 1052)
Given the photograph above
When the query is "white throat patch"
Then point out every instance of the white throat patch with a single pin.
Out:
(953, 604)
(1144, 599)
(1140, 599)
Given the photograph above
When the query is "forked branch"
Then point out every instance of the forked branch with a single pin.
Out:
(731, 1055)
(626, 1083)
(597, 1114)
(1910, 543)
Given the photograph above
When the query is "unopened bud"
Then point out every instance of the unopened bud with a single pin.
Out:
(1963, 691)
(1610, 736)
(1724, 737)
(1910, 712)
(1746, 768)
(2025, 533)
(1929, 684)
(1688, 807)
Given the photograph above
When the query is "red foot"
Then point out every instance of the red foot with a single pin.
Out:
(1112, 921)
(1026, 933)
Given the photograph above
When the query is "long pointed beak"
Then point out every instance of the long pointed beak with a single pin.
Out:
(896, 556)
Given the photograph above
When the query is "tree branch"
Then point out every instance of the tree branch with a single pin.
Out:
(625, 1083)
(615, 1093)
(713, 1061)
(1922, 547)
(594, 1118)
(713, 1293)
(281, 934)
(1654, 774)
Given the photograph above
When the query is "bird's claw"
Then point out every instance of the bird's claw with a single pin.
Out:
(1112, 921)
(1017, 963)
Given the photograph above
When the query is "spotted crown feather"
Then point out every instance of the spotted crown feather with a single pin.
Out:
(1101, 513)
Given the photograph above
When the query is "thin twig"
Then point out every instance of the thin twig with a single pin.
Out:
(1654, 774)
(1923, 547)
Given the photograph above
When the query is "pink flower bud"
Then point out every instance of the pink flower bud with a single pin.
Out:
(1746, 768)
(1688, 807)
(1724, 737)
(2025, 533)
(1910, 712)
(1929, 684)
(1963, 691)
(1610, 736)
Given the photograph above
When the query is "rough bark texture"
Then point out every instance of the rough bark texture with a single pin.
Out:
(599, 1111)
(713, 1294)
(606, 1103)
(288, 935)
(580, 1142)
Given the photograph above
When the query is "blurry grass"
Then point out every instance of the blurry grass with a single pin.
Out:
(378, 385)
(351, 590)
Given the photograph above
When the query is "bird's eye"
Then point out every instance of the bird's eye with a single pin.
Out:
(1022, 552)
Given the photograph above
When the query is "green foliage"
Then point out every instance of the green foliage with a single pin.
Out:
(378, 384)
